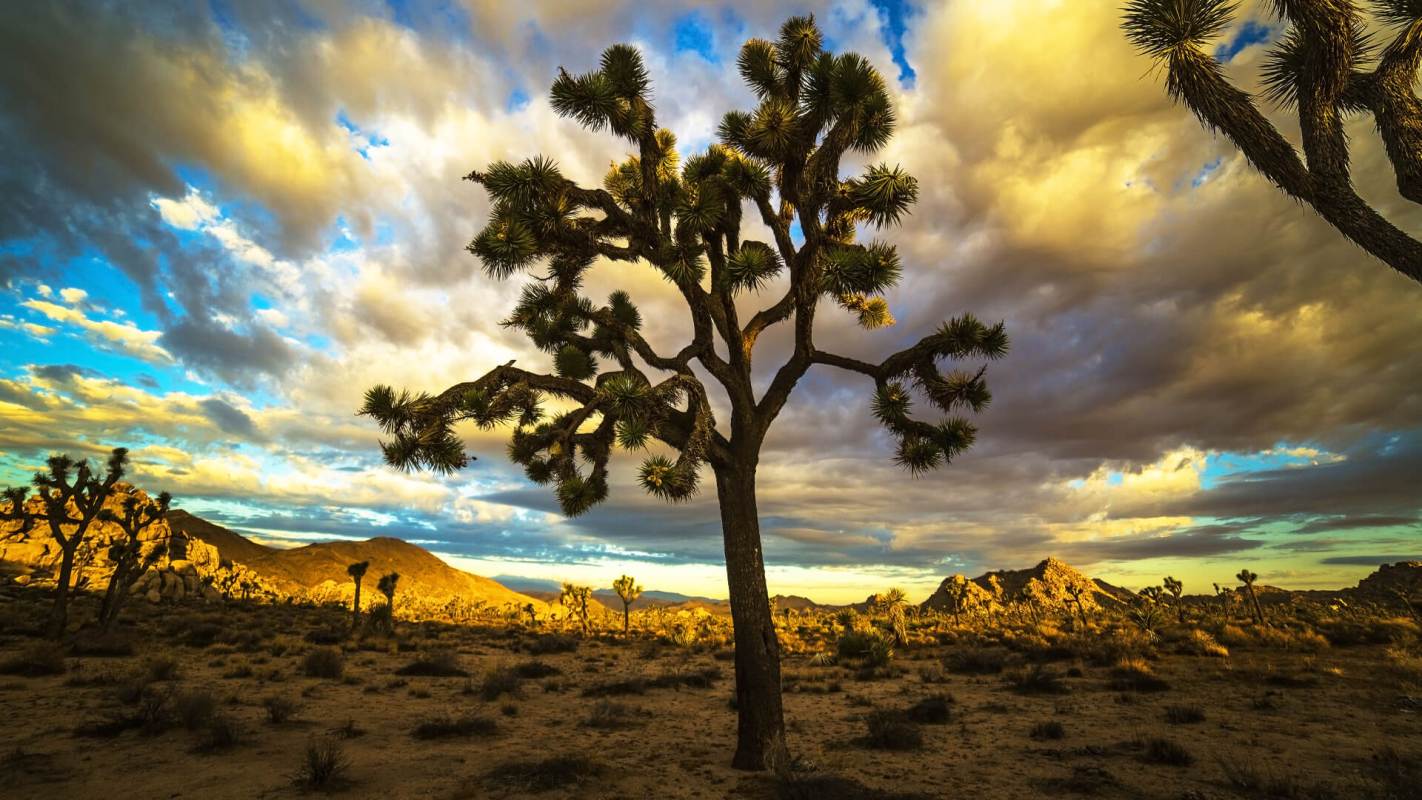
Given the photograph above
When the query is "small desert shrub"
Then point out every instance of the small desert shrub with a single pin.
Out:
(195, 709)
(219, 733)
(1135, 674)
(892, 730)
(1407, 664)
(97, 644)
(1184, 715)
(550, 644)
(238, 672)
(1245, 777)
(535, 669)
(1037, 679)
(935, 710)
(326, 636)
(975, 661)
(499, 681)
(280, 709)
(442, 663)
(161, 668)
(445, 727)
(1233, 636)
(324, 662)
(35, 660)
(323, 767)
(933, 673)
(703, 678)
(1200, 643)
(1048, 730)
(871, 647)
(349, 730)
(1158, 750)
(106, 728)
(607, 715)
(557, 772)
(615, 688)
(155, 710)
(201, 634)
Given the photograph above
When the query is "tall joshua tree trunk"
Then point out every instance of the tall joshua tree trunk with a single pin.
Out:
(59, 613)
(761, 734)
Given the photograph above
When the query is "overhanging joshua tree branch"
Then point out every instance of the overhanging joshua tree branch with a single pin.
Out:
(778, 164)
(1325, 67)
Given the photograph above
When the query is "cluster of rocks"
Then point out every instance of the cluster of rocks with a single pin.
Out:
(181, 567)
(1052, 584)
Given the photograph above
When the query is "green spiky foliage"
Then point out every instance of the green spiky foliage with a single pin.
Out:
(776, 166)
(628, 590)
(69, 495)
(1324, 67)
(128, 555)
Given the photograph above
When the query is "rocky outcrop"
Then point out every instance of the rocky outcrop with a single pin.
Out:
(186, 568)
(1051, 584)
(1390, 580)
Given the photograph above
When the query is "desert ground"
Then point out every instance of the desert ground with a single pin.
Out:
(249, 700)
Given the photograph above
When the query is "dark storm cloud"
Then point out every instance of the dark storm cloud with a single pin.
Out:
(228, 418)
(1370, 561)
(1357, 523)
(234, 356)
(61, 373)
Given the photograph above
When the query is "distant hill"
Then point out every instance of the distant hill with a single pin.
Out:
(1052, 576)
(421, 572)
(548, 590)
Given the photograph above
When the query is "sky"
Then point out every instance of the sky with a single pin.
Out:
(220, 223)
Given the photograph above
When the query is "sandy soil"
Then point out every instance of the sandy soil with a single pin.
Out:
(1310, 719)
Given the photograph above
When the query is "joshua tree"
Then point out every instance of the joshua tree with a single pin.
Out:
(1326, 67)
(627, 591)
(893, 603)
(1078, 593)
(386, 586)
(70, 497)
(357, 573)
(1177, 591)
(1248, 578)
(1148, 609)
(779, 162)
(576, 599)
(127, 554)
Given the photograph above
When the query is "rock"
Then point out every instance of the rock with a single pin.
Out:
(153, 596)
(21, 580)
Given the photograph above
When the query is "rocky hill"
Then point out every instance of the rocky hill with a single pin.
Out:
(319, 570)
(1051, 582)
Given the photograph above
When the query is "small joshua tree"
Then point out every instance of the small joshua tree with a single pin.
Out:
(1248, 578)
(357, 573)
(1078, 593)
(386, 586)
(1327, 67)
(627, 591)
(576, 598)
(129, 560)
(1148, 606)
(779, 162)
(1177, 591)
(70, 495)
(893, 603)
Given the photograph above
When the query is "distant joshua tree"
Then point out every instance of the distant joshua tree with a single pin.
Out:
(386, 586)
(357, 573)
(71, 496)
(1079, 593)
(779, 162)
(126, 554)
(627, 591)
(1248, 578)
(1177, 591)
(576, 598)
(1327, 67)
(894, 602)
(1147, 610)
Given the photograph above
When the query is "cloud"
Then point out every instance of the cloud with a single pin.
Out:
(123, 337)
